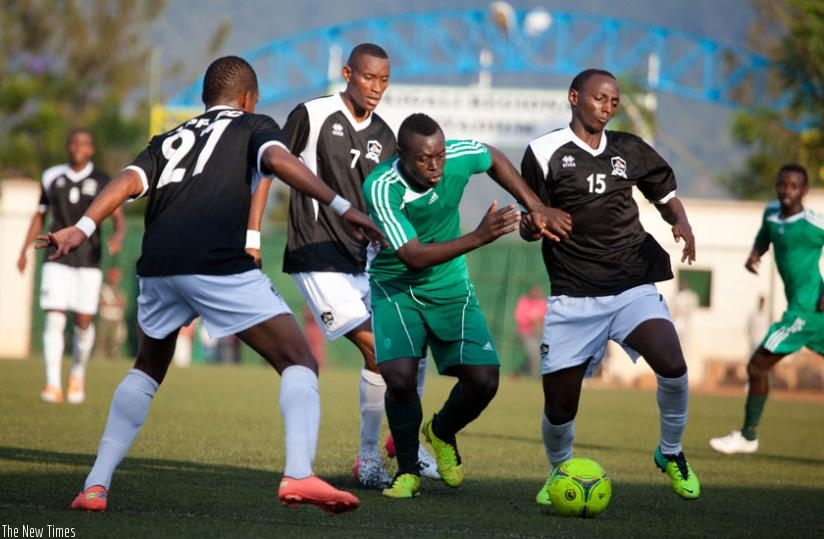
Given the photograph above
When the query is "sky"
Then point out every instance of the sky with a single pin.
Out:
(699, 130)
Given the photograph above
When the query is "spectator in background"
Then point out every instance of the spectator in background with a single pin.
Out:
(529, 319)
(112, 320)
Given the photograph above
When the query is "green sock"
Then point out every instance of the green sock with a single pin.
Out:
(752, 415)
(404, 422)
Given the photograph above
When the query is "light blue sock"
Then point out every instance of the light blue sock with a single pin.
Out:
(128, 411)
(672, 396)
(372, 390)
(557, 441)
(300, 407)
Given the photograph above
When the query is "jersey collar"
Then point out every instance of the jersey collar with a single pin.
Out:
(220, 107)
(602, 145)
(409, 194)
(358, 126)
(82, 174)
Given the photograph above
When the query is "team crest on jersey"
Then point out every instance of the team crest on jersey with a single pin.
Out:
(89, 187)
(619, 166)
(328, 318)
(433, 198)
(60, 182)
(373, 150)
(337, 129)
(568, 161)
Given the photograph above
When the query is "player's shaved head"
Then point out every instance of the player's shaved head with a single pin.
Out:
(365, 49)
(416, 124)
(79, 131)
(583, 77)
(228, 78)
(796, 168)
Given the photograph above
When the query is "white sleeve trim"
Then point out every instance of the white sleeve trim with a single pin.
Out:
(666, 199)
(263, 149)
(143, 179)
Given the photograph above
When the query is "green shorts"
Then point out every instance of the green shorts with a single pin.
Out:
(450, 322)
(794, 330)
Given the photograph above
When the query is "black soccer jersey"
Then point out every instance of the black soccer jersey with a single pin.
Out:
(198, 179)
(69, 194)
(342, 152)
(608, 250)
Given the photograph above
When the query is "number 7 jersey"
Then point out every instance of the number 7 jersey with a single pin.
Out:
(608, 250)
(199, 179)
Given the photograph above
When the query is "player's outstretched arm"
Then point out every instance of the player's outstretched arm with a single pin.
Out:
(551, 223)
(34, 229)
(294, 173)
(674, 213)
(126, 184)
(497, 222)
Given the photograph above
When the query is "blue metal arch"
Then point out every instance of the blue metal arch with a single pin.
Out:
(446, 47)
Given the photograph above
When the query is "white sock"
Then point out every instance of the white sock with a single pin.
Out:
(673, 396)
(557, 441)
(81, 350)
(422, 374)
(128, 411)
(372, 391)
(53, 345)
(300, 406)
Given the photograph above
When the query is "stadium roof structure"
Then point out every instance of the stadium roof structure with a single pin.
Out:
(457, 46)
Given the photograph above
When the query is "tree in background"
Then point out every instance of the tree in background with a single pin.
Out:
(76, 63)
(791, 34)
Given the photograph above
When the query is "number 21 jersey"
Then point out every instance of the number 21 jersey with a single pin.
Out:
(199, 179)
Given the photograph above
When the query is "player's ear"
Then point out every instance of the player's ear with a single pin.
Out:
(249, 100)
(573, 97)
(347, 73)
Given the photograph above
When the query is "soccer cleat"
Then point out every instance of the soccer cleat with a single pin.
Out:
(313, 490)
(76, 392)
(734, 442)
(684, 481)
(370, 473)
(446, 455)
(52, 394)
(429, 468)
(92, 499)
(405, 485)
(542, 497)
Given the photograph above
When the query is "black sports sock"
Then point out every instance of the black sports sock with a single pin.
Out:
(404, 422)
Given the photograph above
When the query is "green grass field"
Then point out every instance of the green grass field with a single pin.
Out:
(209, 458)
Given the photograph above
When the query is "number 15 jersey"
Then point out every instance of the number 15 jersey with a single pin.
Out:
(608, 250)
(199, 180)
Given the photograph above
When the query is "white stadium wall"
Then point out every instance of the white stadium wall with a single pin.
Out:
(18, 200)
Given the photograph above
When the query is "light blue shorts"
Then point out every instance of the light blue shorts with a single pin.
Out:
(576, 329)
(227, 304)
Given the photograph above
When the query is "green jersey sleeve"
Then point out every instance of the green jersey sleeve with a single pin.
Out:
(384, 198)
(762, 237)
(468, 157)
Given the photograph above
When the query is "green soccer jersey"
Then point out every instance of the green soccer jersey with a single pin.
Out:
(404, 213)
(797, 241)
